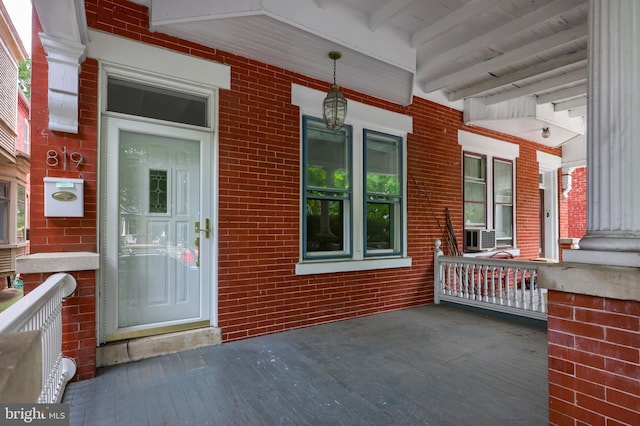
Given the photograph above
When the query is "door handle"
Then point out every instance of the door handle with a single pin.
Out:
(206, 230)
(196, 243)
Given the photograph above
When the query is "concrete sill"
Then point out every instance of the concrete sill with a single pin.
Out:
(57, 262)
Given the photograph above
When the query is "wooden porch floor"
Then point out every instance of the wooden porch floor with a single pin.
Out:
(431, 365)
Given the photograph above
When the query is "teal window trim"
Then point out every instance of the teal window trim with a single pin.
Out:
(311, 193)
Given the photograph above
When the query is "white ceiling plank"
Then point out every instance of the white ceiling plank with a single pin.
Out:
(570, 104)
(570, 59)
(452, 20)
(541, 86)
(523, 52)
(512, 27)
(388, 10)
(559, 95)
(578, 112)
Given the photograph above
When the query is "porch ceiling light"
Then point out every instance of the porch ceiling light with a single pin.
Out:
(334, 106)
(546, 132)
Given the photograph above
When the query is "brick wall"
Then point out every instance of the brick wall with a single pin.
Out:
(594, 360)
(577, 204)
(66, 234)
(259, 195)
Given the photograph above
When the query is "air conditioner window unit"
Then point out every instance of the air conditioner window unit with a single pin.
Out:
(479, 239)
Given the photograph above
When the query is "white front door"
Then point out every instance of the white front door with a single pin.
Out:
(157, 275)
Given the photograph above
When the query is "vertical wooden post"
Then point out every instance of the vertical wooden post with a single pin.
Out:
(437, 272)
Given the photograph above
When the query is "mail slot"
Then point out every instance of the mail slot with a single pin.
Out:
(63, 197)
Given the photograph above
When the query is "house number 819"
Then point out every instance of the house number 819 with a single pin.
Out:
(53, 160)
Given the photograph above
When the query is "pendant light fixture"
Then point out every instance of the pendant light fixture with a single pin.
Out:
(546, 132)
(334, 106)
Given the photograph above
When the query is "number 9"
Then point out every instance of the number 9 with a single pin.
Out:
(76, 158)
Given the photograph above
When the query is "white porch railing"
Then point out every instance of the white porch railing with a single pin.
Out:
(503, 285)
(41, 310)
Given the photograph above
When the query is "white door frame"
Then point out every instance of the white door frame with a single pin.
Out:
(120, 56)
(548, 166)
(110, 224)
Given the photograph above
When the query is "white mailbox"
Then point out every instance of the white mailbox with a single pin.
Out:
(63, 197)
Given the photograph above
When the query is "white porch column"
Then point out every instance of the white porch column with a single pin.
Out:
(613, 136)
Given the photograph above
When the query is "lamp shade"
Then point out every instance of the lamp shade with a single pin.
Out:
(334, 108)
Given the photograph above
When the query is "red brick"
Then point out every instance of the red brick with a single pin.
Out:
(562, 393)
(608, 410)
(622, 368)
(630, 401)
(575, 412)
(605, 378)
(577, 328)
(557, 418)
(608, 350)
(623, 337)
(562, 366)
(627, 322)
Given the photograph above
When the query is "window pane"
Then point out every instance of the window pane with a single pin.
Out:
(380, 226)
(327, 157)
(475, 191)
(21, 233)
(4, 212)
(158, 191)
(325, 225)
(475, 215)
(504, 224)
(383, 192)
(383, 164)
(474, 168)
(145, 100)
(503, 183)
(4, 220)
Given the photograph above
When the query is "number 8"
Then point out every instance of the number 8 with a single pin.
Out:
(52, 158)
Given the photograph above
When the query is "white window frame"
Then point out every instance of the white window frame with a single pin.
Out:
(359, 116)
(8, 219)
(21, 237)
(27, 137)
(492, 149)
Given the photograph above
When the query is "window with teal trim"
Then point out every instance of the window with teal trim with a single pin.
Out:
(327, 190)
(382, 193)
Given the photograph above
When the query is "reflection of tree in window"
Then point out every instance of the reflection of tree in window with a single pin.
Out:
(383, 191)
(327, 187)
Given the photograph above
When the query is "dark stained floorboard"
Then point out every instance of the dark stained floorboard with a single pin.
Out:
(432, 365)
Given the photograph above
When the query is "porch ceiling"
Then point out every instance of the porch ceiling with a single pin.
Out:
(515, 66)
(495, 51)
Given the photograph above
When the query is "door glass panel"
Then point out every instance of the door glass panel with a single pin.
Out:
(159, 201)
